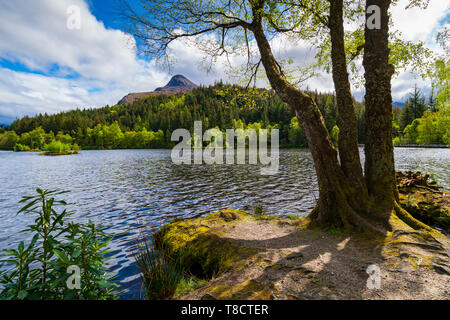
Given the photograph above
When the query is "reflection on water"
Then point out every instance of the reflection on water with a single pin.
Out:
(133, 191)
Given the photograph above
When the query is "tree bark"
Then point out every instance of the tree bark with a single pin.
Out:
(348, 128)
(338, 204)
(342, 202)
(379, 151)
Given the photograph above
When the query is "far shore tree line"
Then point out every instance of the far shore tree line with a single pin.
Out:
(149, 122)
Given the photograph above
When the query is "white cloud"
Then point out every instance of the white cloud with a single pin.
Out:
(34, 33)
(417, 24)
(104, 64)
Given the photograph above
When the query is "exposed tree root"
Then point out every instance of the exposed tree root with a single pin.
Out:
(416, 241)
(405, 239)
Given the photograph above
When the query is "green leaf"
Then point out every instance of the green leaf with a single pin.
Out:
(27, 206)
(76, 253)
(61, 255)
(21, 246)
(22, 295)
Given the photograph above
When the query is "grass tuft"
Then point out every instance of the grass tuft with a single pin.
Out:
(160, 273)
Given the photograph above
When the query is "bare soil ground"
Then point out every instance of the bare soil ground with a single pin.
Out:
(297, 263)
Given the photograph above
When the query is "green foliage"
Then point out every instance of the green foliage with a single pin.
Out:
(297, 135)
(188, 284)
(440, 77)
(412, 109)
(258, 211)
(57, 147)
(8, 140)
(335, 135)
(20, 147)
(35, 139)
(149, 122)
(410, 132)
(39, 270)
(426, 123)
(160, 273)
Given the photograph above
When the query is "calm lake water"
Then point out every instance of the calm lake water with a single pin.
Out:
(135, 191)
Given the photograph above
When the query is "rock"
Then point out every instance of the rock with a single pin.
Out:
(178, 84)
(295, 255)
(442, 269)
(208, 296)
(227, 215)
(424, 200)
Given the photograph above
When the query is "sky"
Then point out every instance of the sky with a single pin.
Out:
(46, 67)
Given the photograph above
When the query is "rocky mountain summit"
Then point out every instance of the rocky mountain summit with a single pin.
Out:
(178, 84)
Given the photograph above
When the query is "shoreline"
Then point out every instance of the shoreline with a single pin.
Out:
(243, 257)
(412, 146)
(237, 255)
(437, 146)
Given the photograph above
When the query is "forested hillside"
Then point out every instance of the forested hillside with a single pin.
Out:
(149, 122)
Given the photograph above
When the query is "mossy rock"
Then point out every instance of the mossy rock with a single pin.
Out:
(247, 290)
(430, 208)
(198, 245)
(424, 199)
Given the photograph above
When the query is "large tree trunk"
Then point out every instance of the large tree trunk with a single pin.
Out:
(338, 203)
(342, 202)
(348, 128)
(379, 150)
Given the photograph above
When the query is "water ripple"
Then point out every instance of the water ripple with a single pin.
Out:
(135, 191)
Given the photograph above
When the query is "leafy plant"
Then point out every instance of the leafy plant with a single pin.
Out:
(39, 270)
(160, 273)
(20, 147)
(258, 211)
(57, 146)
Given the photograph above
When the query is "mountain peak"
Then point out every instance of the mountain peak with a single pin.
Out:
(178, 84)
(179, 81)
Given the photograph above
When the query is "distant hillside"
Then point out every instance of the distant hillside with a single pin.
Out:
(221, 106)
(178, 84)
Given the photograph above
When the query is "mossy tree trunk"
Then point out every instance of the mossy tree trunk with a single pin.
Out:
(348, 128)
(340, 203)
(347, 197)
(379, 151)
(379, 162)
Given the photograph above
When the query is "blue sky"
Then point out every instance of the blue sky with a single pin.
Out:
(47, 68)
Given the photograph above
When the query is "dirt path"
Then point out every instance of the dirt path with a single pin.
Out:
(296, 263)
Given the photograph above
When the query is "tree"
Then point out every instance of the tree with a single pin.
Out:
(379, 164)
(296, 133)
(8, 140)
(348, 128)
(225, 27)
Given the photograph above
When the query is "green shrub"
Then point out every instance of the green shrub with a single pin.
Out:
(40, 270)
(76, 147)
(160, 274)
(57, 147)
(20, 147)
(258, 211)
